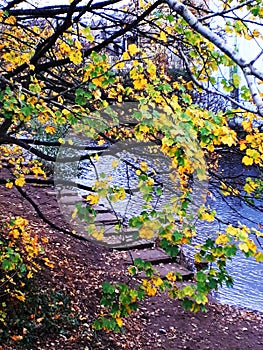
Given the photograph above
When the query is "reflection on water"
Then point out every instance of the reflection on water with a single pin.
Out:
(247, 274)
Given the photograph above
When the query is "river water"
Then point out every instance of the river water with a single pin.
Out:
(248, 274)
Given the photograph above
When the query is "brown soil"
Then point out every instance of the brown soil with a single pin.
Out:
(79, 269)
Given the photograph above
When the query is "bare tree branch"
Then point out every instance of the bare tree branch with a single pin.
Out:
(246, 65)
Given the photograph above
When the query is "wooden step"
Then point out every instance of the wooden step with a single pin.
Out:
(124, 242)
(137, 244)
(154, 255)
(177, 269)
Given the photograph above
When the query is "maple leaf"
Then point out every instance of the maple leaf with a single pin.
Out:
(247, 160)
(132, 49)
(75, 57)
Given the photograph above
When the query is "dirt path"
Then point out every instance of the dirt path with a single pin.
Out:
(80, 268)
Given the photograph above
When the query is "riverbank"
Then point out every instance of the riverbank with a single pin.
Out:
(80, 268)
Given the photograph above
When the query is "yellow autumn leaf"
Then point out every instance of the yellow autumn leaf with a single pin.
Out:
(242, 146)
(21, 222)
(189, 85)
(20, 181)
(9, 185)
(78, 45)
(50, 129)
(20, 297)
(10, 20)
(29, 275)
(125, 56)
(146, 232)
(119, 321)
(248, 36)
(92, 199)
(143, 166)
(163, 36)
(17, 337)
(247, 160)
(228, 140)
(97, 94)
(157, 281)
(144, 128)
(140, 84)
(15, 233)
(251, 245)
(97, 234)
(132, 49)
(75, 57)
(247, 125)
(151, 69)
(250, 187)
(64, 48)
(101, 142)
(222, 239)
(114, 163)
(201, 299)
(231, 230)
(87, 33)
(256, 33)
(171, 276)
(74, 213)
(48, 263)
(60, 100)
(151, 291)
(252, 153)
(228, 29)
(244, 247)
(259, 257)
(207, 217)
(119, 65)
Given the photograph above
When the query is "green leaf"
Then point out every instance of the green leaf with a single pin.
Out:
(201, 276)
(158, 191)
(236, 80)
(26, 110)
(108, 288)
(96, 58)
(245, 93)
(97, 325)
(177, 236)
(230, 250)
(255, 10)
(187, 304)
(138, 261)
(171, 250)
(170, 18)
(189, 291)
(201, 299)
(8, 265)
(186, 98)
(135, 222)
(132, 270)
